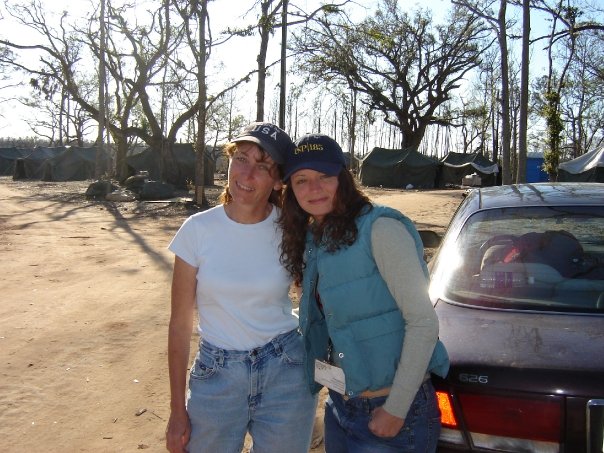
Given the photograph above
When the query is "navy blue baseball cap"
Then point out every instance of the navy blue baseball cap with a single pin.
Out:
(316, 152)
(269, 137)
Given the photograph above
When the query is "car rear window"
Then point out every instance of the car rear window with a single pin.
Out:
(526, 258)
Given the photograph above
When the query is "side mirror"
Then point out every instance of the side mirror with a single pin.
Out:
(429, 238)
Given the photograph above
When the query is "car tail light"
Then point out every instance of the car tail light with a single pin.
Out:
(450, 432)
(447, 415)
(503, 424)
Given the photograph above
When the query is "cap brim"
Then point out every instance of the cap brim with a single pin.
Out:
(265, 145)
(328, 168)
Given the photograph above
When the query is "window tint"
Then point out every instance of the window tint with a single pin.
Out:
(533, 258)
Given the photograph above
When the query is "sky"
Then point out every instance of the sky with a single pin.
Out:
(239, 59)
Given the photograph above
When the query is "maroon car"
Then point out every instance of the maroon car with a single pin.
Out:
(518, 285)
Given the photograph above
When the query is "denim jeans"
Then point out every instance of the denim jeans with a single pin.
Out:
(347, 431)
(263, 391)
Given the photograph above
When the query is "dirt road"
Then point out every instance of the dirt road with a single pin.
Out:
(84, 315)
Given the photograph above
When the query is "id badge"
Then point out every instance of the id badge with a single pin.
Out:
(330, 376)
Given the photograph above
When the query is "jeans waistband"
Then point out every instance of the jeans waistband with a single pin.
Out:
(383, 392)
(370, 394)
(366, 405)
(274, 346)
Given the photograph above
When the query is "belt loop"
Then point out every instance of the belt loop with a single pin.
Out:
(277, 346)
(220, 357)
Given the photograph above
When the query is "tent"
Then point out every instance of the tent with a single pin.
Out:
(74, 164)
(149, 160)
(534, 168)
(30, 166)
(398, 168)
(8, 157)
(457, 165)
(586, 168)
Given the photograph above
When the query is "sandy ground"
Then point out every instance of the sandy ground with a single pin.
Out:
(84, 313)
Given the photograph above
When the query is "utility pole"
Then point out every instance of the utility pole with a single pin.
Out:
(282, 97)
(102, 76)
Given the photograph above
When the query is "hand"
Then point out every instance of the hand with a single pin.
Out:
(384, 424)
(178, 432)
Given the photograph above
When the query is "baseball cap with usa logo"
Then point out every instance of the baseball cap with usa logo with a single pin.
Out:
(269, 137)
(315, 152)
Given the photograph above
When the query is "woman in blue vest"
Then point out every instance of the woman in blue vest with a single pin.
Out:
(370, 331)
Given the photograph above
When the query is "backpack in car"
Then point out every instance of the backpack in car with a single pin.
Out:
(556, 248)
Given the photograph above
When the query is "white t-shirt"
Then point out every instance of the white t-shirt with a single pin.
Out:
(242, 288)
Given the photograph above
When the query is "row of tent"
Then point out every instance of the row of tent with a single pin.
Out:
(397, 168)
(62, 163)
(406, 168)
(72, 163)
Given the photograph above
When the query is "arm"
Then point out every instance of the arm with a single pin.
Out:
(184, 283)
(396, 257)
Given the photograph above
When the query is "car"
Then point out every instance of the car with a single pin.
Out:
(518, 285)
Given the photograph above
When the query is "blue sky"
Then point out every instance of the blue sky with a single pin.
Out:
(238, 60)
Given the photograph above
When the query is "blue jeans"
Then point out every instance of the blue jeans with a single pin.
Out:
(347, 431)
(263, 391)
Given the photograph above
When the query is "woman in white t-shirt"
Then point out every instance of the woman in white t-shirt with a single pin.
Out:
(248, 375)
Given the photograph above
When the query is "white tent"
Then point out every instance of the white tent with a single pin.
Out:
(587, 168)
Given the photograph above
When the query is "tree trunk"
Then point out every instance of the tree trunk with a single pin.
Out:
(200, 198)
(352, 127)
(524, 92)
(121, 166)
(264, 37)
(506, 177)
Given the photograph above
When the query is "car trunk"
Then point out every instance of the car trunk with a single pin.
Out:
(524, 375)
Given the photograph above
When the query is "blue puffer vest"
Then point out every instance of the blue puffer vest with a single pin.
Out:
(362, 319)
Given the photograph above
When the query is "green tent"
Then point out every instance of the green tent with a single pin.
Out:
(32, 165)
(457, 165)
(150, 160)
(8, 157)
(74, 164)
(398, 168)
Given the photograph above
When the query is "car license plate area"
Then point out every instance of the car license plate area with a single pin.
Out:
(595, 425)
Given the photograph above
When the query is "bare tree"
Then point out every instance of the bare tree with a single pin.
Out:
(475, 123)
(582, 105)
(403, 66)
(274, 15)
(498, 24)
(62, 62)
(565, 30)
(55, 116)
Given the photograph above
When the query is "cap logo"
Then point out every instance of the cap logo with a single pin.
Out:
(309, 147)
(272, 133)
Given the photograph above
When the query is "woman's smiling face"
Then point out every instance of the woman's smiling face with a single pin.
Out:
(252, 175)
(315, 192)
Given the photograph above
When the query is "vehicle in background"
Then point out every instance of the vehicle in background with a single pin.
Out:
(518, 285)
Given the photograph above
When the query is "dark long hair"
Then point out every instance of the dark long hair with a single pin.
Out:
(338, 228)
